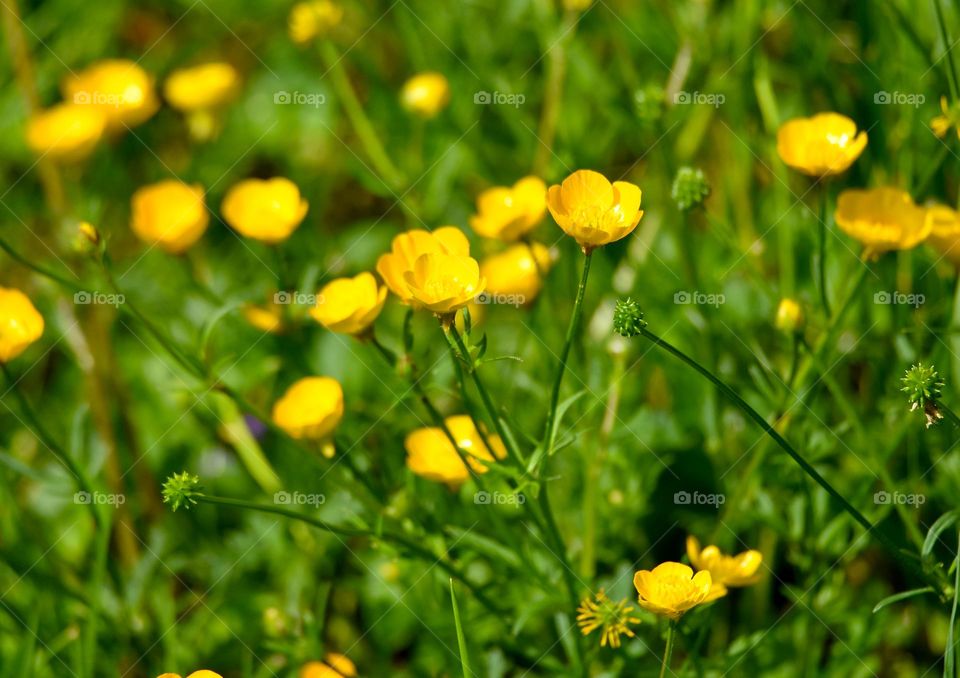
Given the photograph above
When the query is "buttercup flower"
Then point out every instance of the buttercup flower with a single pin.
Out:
(950, 118)
(65, 131)
(268, 210)
(431, 455)
(201, 87)
(444, 283)
(516, 272)
(426, 94)
(202, 673)
(333, 666)
(20, 323)
(883, 219)
(945, 231)
(267, 318)
(612, 617)
(822, 145)
(510, 212)
(407, 247)
(592, 210)
(119, 88)
(310, 19)
(170, 214)
(671, 589)
(311, 409)
(349, 305)
(738, 570)
(789, 316)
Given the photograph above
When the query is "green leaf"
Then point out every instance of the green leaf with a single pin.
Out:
(461, 640)
(903, 595)
(942, 523)
(950, 658)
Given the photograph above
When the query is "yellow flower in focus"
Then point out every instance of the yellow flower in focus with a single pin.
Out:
(789, 316)
(883, 219)
(444, 283)
(510, 212)
(426, 94)
(203, 87)
(945, 231)
(309, 19)
(310, 410)
(950, 118)
(268, 210)
(119, 88)
(516, 273)
(822, 145)
(612, 617)
(592, 210)
(349, 305)
(430, 453)
(407, 247)
(333, 666)
(20, 323)
(738, 570)
(65, 131)
(671, 589)
(267, 318)
(170, 214)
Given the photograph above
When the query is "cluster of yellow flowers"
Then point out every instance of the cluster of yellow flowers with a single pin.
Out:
(334, 665)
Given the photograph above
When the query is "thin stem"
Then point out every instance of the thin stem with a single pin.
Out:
(46, 273)
(549, 435)
(951, 67)
(822, 247)
(668, 650)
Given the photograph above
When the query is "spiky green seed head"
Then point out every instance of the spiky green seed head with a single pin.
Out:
(628, 318)
(690, 188)
(922, 385)
(180, 489)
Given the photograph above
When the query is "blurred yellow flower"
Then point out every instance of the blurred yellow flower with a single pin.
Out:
(950, 118)
(738, 570)
(20, 323)
(613, 618)
(65, 131)
(268, 210)
(309, 19)
(334, 665)
(426, 94)
(515, 273)
(407, 247)
(945, 231)
(311, 409)
(170, 214)
(431, 455)
(671, 589)
(349, 305)
(592, 210)
(119, 88)
(789, 316)
(577, 5)
(202, 673)
(88, 232)
(883, 219)
(267, 318)
(822, 145)
(201, 87)
(510, 212)
(444, 283)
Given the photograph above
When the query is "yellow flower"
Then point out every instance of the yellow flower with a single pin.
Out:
(20, 323)
(592, 210)
(268, 210)
(333, 666)
(510, 212)
(267, 318)
(430, 453)
(170, 214)
(349, 305)
(950, 118)
(201, 87)
(738, 570)
(822, 145)
(945, 231)
(612, 617)
(310, 19)
(120, 89)
(444, 283)
(202, 673)
(426, 94)
(883, 219)
(407, 247)
(671, 589)
(311, 409)
(789, 316)
(65, 131)
(515, 273)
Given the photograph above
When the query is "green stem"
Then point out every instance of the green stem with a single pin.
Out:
(46, 273)
(102, 548)
(556, 68)
(951, 67)
(549, 435)
(668, 650)
(822, 247)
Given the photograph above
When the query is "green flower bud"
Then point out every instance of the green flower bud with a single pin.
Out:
(690, 188)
